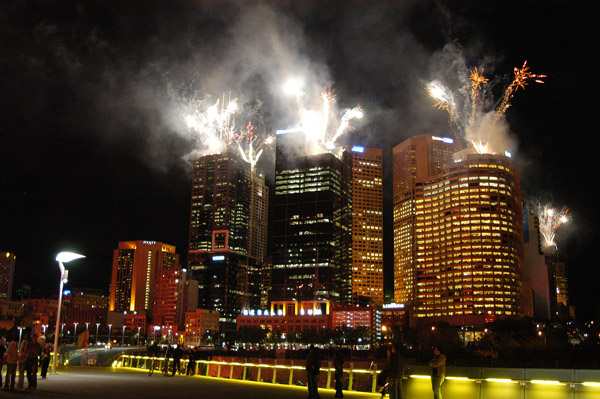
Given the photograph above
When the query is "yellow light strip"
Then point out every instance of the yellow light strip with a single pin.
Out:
(420, 376)
(503, 380)
(546, 382)
(591, 384)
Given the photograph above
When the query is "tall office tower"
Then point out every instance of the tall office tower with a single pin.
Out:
(536, 269)
(7, 272)
(220, 255)
(135, 264)
(467, 240)
(311, 225)
(367, 224)
(168, 303)
(413, 160)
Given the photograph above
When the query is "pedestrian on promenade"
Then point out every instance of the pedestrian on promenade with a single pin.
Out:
(12, 357)
(45, 359)
(396, 372)
(313, 368)
(192, 357)
(438, 371)
(33, 350)
(2, 352)
(177, 355)
(22, 363)
(338, 365)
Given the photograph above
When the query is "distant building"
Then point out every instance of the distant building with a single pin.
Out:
(201, 327)
(311, 226)
(458, 234)
(137, 268)
(288, 317)
(7, 272)
(227, 241)
(367, 224)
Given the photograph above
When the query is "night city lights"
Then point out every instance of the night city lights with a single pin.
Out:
(253, 178)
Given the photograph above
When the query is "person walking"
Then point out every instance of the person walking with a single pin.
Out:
(438, 371)
(22, 363)
(31, 365)
(396, 372)
(313, 368)
(12, 357)
(338, 365)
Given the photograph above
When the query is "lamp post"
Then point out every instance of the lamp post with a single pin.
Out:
(97, 325)
(61, 258)
(109, 327)
(75, 333)
(123, 339)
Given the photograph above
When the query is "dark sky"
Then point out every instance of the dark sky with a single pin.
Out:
(94, 149)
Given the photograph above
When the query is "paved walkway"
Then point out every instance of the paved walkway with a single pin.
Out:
(104, 382)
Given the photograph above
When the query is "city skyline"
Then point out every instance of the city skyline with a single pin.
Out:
(79, 173)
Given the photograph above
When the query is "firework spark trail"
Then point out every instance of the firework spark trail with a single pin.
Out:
(474, 125)
(550, 220)
(522, 76)
(245, 141)
(317, 125)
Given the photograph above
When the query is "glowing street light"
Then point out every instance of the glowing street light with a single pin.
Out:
(97, 325)
(75, 333)
(61, 258)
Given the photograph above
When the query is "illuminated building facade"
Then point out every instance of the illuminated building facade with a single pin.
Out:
(367, 224)
(7, 272)
(466, 239)
(311, 226)
(133, 282)
(536, 269)
(168, 304)
(200, 326)
(227, 241)
(413, 160)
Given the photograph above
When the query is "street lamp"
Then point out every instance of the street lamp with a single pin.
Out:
(123, 339)
(97, 325)
(75, 333)
(109, 327)
(61, 258)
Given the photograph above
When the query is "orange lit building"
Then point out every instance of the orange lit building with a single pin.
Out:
(464, 230)
(200, 325)
(367, 224)
(135, 264)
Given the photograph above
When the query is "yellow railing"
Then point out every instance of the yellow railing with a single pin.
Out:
(417, 384)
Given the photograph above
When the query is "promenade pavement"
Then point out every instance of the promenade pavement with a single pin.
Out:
(105, 382)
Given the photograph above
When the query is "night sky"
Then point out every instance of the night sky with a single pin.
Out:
(94, 148)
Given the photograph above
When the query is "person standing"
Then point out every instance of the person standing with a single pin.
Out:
(12, 357)
(22, 363)
(2, 352)
(192, 357)
(338, 365)
(177, 354)
(438, 371)
(396, 372)
(313, 368)
(33, 351)
(45, 359)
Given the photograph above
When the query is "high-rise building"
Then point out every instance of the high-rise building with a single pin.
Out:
(227, 243)
(135, 265)
(7, 272)
(367, 224)
(536, 269)
(168, 306)
(458, 239)
(413, 160)
(311, 226)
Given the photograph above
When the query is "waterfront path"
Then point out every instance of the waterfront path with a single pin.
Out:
(110, 383)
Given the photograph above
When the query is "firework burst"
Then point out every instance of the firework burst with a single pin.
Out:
(250, 145)
(550, 220)
(470, 119)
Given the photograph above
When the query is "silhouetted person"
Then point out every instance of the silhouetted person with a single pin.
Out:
(396, 372)
(177, 354)
(313, 368)
(338, 365)
(438, 371)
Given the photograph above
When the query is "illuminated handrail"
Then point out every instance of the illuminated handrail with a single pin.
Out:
(142, 362)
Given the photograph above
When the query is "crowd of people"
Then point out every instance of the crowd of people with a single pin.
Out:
(25, 357)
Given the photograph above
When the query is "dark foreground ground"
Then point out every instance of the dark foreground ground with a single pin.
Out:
(104, 382)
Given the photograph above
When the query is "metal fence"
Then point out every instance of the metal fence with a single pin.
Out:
(463, 382)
